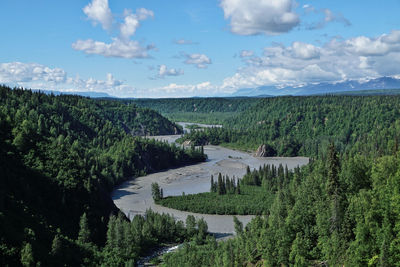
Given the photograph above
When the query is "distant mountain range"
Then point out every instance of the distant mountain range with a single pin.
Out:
(322, 88)
(86, 94)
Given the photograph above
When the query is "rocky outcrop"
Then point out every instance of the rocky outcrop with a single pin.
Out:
(265, 150)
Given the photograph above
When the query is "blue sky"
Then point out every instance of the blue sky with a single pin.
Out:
(158, 48)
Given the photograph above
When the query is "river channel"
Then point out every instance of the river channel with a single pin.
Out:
(134, 196)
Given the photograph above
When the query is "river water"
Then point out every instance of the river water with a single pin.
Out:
(134, 196)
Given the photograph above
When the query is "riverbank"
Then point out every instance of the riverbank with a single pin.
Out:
(134, 197)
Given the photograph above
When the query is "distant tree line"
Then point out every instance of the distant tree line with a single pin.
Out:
(293, 126)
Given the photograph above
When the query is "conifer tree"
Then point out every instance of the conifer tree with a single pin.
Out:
(238, 187)
(220, 187)
(84, 231)
(334, 189)
(27, 258)
(238, 225)
(56, 245)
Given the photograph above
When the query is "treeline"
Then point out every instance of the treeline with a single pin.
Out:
(59, 158)
(306, 125)
(224, 185)
(213, 110)
(343, 210)
(199, 105)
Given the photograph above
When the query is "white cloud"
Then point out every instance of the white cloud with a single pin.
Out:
(199, 60)
(301, 63)
(304, 51)
(163, 71)
(187, 90)
(17, 72)
(132, 22)
(380, 46)
(250, 17)
(118, 48)
(37, 76)
(121, 46)
(99, 12)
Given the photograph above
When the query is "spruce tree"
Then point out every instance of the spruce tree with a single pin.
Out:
(333, 188)
(238, 225)
(238, 187)
(84, 231)
(220, 189)
(155, 191)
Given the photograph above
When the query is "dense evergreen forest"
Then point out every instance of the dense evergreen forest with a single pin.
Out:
(59, 158)
(201, 110)
(61, 155)
(342, 209)
(292, 126)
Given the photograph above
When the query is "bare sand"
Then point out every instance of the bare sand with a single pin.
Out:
(134, 196)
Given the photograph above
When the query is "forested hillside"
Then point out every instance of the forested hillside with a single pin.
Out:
(200, 110)
(292, 126)
(340, 210)
(59, 158)
(343, 210)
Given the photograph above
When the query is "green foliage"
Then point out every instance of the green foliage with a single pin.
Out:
(307, 125)
(27, 255)
(252, 195)
(156, 191)
(298, 229)
(238, 226)
(84, 231)
(200, 105)
(127, 241)
(59, 158)
(199, 110)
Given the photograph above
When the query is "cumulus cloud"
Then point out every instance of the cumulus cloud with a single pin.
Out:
(304, 51)
(37, 76)
(121, 46)
(251, 17)
(163, 71)
(380, 46)
(98, 11)
(17, 72)
(338, 60)
(132, 22)
(118, 48)
(199, 60)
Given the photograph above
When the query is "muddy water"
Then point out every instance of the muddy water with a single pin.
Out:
(134, 196)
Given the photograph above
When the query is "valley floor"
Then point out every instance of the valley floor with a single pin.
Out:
(134, 196)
